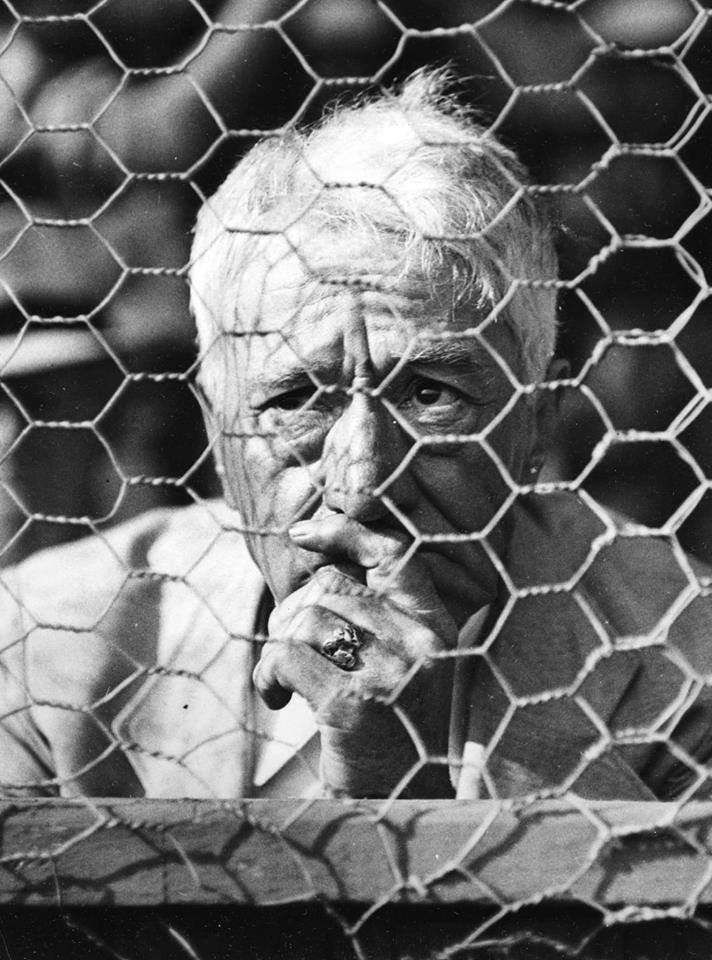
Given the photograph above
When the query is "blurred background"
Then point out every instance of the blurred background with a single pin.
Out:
(118, 117)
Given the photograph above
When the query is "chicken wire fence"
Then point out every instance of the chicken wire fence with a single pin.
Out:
(127, 662)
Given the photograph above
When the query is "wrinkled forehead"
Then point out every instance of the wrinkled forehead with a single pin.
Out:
(284, 282)
(329, 285)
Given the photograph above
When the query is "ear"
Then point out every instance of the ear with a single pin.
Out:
(545, 419)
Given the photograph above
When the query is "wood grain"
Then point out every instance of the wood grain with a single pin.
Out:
(156, 852)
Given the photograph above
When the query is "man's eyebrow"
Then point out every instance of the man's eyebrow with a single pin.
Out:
(293, 379)
(459, 353)
(467, 354)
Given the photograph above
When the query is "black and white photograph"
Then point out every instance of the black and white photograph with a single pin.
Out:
(355, 479)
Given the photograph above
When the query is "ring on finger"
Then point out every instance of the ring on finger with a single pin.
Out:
(342, 646)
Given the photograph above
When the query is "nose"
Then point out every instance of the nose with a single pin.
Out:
(363, 462)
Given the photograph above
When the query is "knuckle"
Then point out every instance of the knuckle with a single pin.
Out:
(426, 644)
(284, 622)
(392, 564)
(262, 677)
(280, 617)
(327, 579)
(271, 652)
(306, 625)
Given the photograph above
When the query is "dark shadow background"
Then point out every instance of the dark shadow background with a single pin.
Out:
(308, 931)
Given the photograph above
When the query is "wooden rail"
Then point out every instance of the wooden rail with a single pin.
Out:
(177, 852)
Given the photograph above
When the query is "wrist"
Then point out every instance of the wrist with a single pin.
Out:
(379, 766)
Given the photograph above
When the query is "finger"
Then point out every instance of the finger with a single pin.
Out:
(344, 536)
(311, 626)
(407, 613)
(286, 667)
(390, 558)
(330, 600)
(326, 581)
(316, 626)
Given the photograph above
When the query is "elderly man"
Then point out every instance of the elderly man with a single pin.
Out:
(375, 301)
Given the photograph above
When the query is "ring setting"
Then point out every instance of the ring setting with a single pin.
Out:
(342, 647)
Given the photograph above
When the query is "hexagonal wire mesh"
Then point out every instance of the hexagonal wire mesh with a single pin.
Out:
(127, 660)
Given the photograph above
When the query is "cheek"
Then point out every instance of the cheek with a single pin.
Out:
(266, 486)
(463, 485)
(269, 497)
(511, 439)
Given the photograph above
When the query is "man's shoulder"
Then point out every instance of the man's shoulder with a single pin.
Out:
(71, 585)
(567, 544)
(585, 583)
(121, 632)
(616, 617)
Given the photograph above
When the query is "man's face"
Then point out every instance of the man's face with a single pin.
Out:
(350, 399)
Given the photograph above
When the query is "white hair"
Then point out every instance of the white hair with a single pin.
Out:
(412, 170)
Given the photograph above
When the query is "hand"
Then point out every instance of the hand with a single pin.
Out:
(383, 718)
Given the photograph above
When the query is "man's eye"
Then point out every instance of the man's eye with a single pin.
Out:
(436, 406)
(290, 399)
(430, 393)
